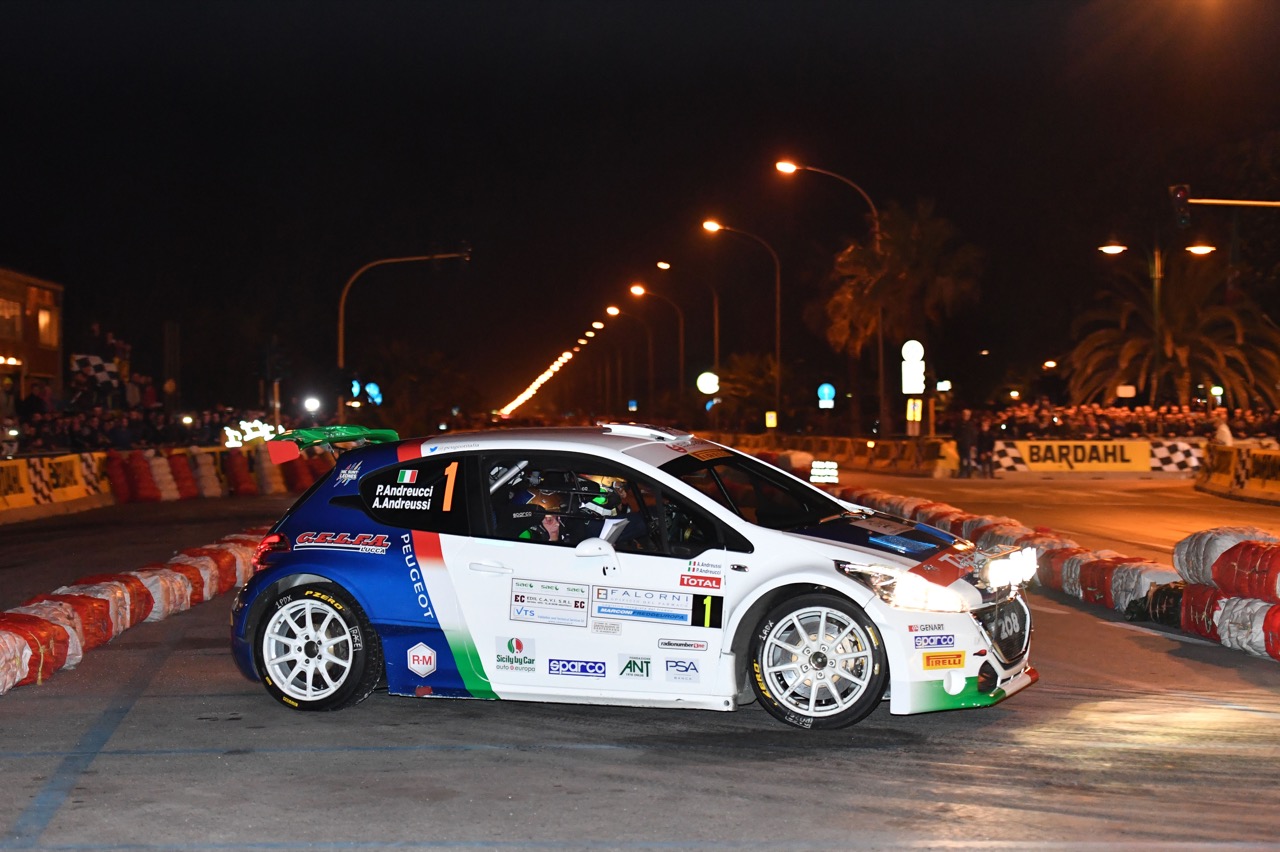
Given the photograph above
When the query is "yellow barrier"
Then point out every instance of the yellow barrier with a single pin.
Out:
(1242, 473)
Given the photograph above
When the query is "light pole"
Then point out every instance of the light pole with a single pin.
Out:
(787, 168)
(615, 311)
(713, 226)
(638, 289)
(342, 305)
(1155, 268)
(715, 318)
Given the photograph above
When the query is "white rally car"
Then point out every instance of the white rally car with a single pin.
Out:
(622, 564)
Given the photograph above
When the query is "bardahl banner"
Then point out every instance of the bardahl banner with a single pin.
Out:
(1086, 456)
(1264, 473)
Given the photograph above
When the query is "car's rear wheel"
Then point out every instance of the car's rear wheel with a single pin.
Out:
(315, 650)
(818, 662)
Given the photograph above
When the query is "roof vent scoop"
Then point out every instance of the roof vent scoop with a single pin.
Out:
(645, 430)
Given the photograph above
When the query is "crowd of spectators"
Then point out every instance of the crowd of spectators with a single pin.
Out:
(1043, 421)
(92, 414)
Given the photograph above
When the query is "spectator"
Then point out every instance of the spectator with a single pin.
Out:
(985, 446)
(966, 434)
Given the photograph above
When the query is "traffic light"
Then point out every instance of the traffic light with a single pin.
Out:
(1181, 195)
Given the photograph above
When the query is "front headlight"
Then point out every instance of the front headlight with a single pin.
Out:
(904, 591)
(1010, 568)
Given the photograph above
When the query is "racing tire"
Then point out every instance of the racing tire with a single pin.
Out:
(818, 662)
(314, 649)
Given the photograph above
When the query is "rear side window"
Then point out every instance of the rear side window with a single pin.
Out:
(425, 494)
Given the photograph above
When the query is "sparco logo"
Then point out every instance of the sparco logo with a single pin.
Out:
(575, 668)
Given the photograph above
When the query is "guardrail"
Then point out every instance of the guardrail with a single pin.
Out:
(1242, 473)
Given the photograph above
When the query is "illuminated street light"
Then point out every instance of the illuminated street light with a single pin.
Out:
(787, 167)
(713, 226)
(615, 311)
(639, 290)
(342, 302)
(715, 318)
(1155, 267)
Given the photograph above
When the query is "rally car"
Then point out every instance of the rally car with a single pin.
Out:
(622, 564)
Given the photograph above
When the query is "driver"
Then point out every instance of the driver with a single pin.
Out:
(546, 523)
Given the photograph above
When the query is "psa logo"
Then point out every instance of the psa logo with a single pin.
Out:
(575, 668)
(940, 640)
(685, 671)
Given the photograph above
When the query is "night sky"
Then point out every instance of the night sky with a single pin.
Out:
(227, 166)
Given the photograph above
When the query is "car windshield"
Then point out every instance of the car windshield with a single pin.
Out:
(754, 490)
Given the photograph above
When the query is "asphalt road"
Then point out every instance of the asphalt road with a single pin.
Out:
(1134, 739)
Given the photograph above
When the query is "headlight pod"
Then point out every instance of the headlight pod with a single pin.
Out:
(904, 590)
(1009, 567)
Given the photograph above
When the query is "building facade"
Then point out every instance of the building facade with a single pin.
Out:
(31, 346)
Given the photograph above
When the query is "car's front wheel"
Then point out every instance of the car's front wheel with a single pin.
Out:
(315, 650)
(818, 662)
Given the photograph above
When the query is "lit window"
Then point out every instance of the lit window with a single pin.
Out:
(10, 320)
(49, 331)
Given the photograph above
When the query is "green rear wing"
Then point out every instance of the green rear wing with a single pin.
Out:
(288, 446)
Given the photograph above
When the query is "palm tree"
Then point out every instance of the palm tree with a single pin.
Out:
(1202, 340)
(921, 274)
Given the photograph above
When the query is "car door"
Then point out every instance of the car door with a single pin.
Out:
(590, 577)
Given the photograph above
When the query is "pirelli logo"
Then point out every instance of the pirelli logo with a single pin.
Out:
(948, 660)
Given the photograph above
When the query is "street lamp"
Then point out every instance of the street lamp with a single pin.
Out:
(615, 311)
(787, 168)
(715, 317)
(1155, 267)
(712, 226)
(342, 304)
(638, 289)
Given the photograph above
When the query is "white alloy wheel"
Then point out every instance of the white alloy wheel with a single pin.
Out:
(315, 650)
(818, 662)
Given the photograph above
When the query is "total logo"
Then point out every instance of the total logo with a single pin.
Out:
(576, 668)
(422, 660)
(699, 582)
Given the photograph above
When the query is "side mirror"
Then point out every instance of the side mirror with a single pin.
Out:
(593, 548)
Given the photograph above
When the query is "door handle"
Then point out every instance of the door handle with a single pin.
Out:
(490, 568)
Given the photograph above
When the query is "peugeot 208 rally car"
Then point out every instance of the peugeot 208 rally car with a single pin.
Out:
(621, 564)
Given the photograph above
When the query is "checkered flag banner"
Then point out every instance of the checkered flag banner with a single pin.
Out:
(103, 371)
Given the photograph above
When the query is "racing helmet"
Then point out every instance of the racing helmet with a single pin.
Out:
(547, 501)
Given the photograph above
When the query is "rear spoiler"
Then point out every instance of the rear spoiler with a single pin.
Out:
(288, 446)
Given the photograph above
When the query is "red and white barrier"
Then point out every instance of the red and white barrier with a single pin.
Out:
(1224, 584)
(52, 632)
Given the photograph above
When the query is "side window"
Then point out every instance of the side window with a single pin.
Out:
(425, 494)
(564, 499)
(677, 529)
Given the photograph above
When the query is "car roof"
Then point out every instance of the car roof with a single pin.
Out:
(613, 437)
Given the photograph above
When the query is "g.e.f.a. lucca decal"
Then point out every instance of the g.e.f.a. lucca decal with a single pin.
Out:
(359, 542)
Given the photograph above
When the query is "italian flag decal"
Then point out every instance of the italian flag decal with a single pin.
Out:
(408, 476)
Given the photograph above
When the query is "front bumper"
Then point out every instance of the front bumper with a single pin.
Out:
(951, 661)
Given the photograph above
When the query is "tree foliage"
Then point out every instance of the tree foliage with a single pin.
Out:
(922, 272)
(1197, 338)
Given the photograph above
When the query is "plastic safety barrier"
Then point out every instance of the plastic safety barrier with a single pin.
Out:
(53, 631)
